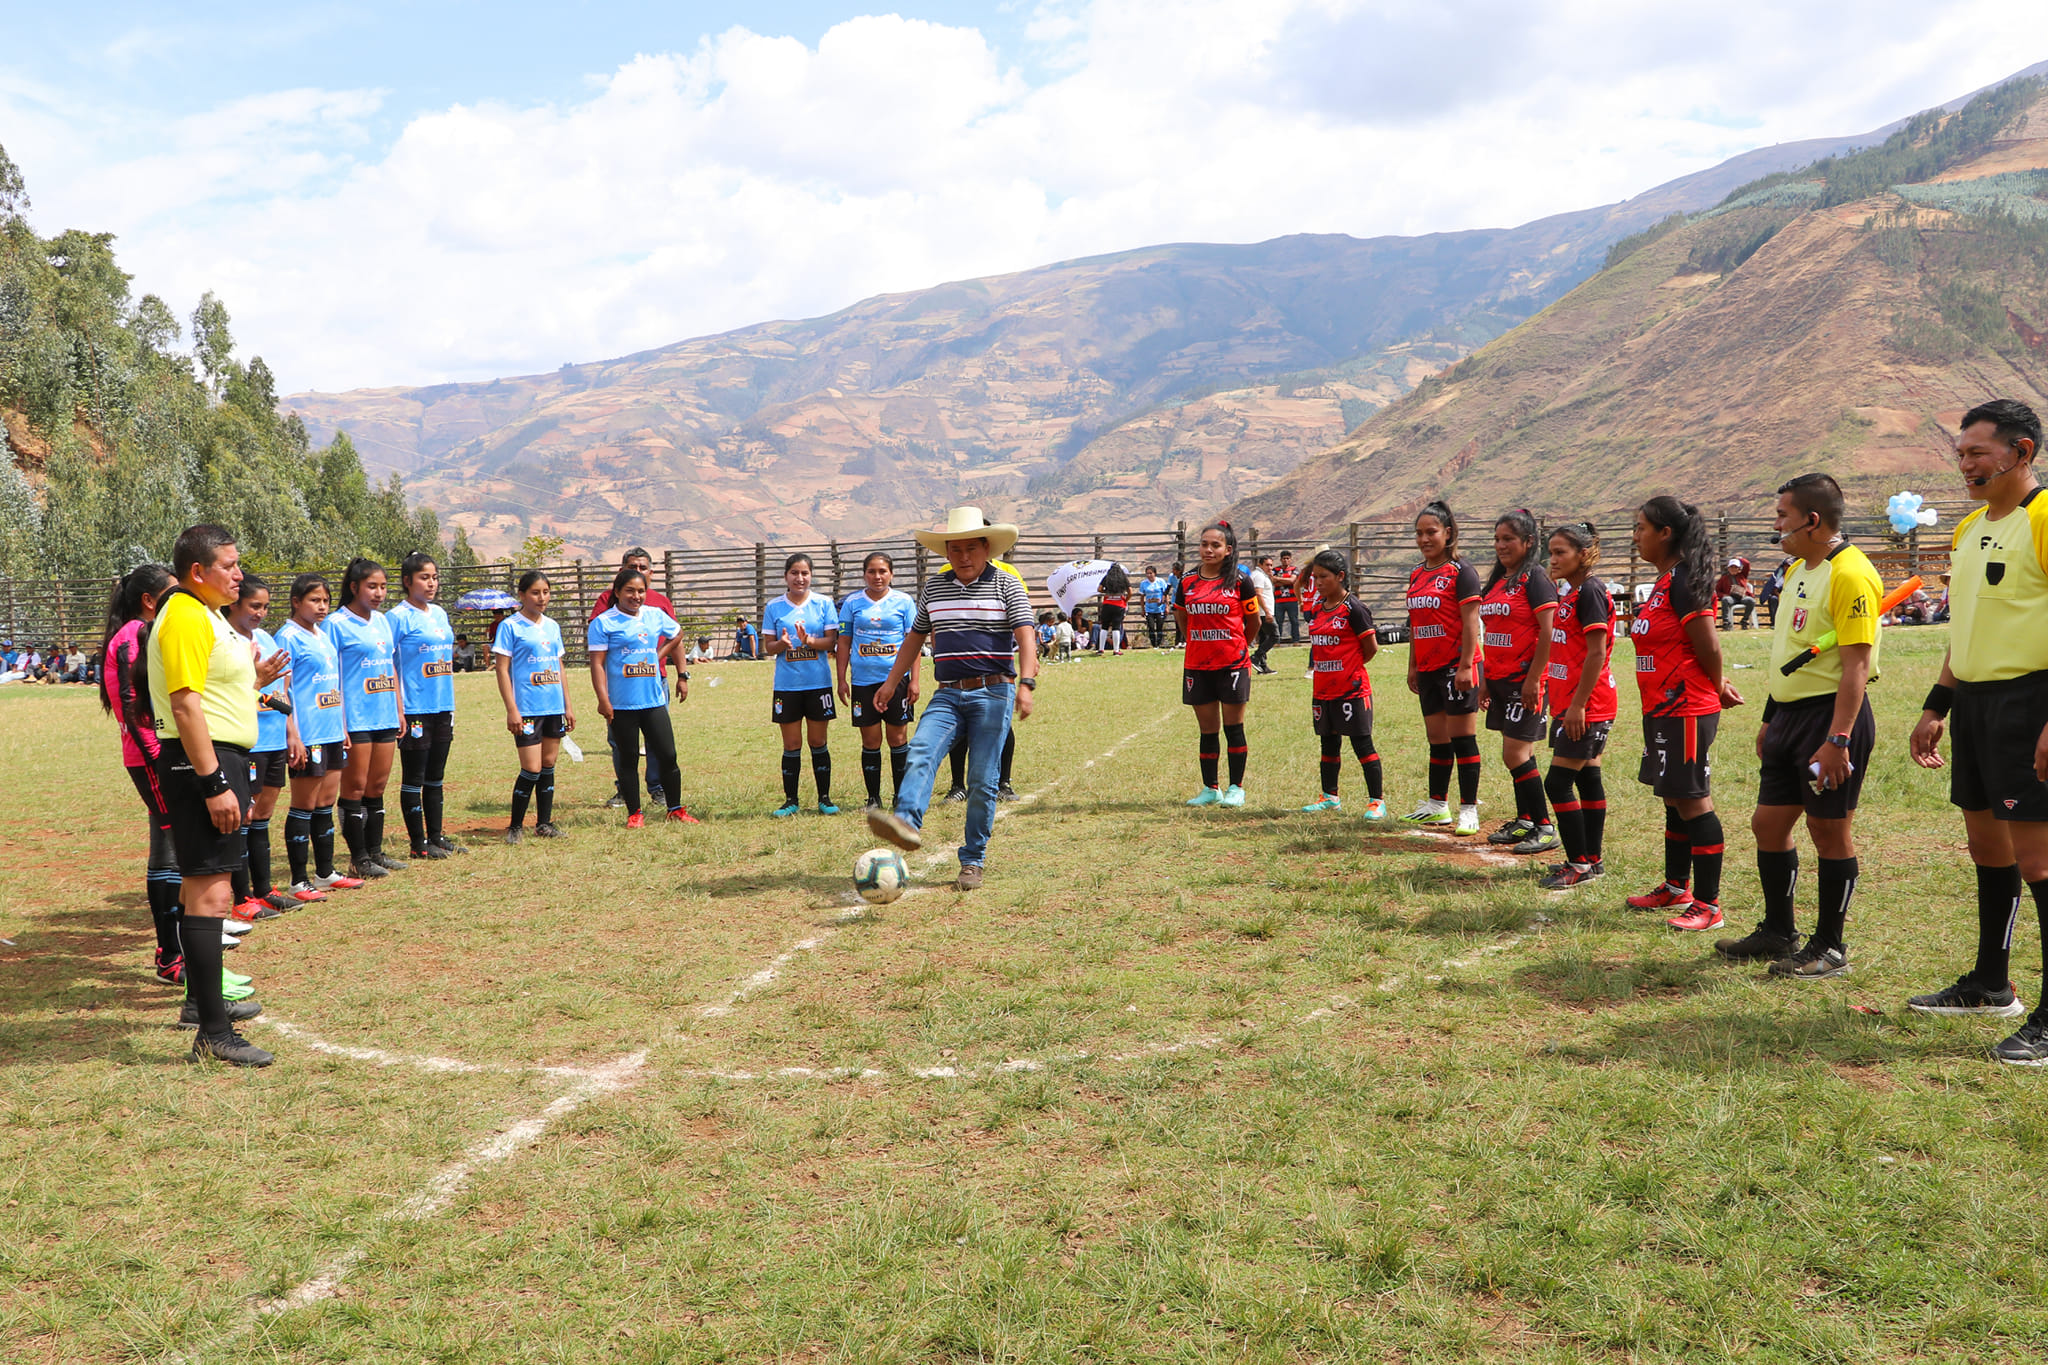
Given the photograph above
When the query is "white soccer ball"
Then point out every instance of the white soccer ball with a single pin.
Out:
(880, 875)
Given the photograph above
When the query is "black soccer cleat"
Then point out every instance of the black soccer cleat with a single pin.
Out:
(229, 1047)
(1759, 944)
(238, 1011)
(2028, 1047)
(1968, 997)
(1814, 962)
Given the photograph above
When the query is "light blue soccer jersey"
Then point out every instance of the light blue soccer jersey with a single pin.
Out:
(369, 669)
(271, 734)
(876, 630)
(316, 684)
(535, 648)
(632, 645)
(426, 657)
(1158, 595)
(801, 670)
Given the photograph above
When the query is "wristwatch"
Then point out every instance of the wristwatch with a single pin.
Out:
(1031, 683)
(1839, 741)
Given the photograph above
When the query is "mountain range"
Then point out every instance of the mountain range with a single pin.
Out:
(1121, 391)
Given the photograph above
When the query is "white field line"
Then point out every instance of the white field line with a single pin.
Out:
(314, 1042)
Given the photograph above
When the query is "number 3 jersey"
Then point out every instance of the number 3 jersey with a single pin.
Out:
(1436, 600)
(1336, 651)
(632, 655)
(1216, 614)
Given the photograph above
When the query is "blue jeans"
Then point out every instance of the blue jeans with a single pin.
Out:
(985, 715)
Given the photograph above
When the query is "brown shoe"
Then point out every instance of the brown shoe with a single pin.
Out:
(894, 828)
(969, 878)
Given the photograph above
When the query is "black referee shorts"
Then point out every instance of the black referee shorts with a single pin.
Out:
(1993, 729)
(1791, 737)
(202, 850)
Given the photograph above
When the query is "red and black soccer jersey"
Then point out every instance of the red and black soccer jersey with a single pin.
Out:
(1117, 600)
(1436, 598)
(1216, 612)
(1336, 639)
(1507, 616)
(1581, 611)
(1284, 589)
(1668, 673)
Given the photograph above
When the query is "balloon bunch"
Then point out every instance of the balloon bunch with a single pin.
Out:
(1906, 512)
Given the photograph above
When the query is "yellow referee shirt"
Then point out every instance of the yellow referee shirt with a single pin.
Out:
(191, 647)
(1841, 595)
(1998, 594)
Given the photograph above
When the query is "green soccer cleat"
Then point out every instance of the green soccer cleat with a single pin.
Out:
(1328, 801)
(1233, 796)
(1208, 796)
(1430, 814)
(229, 991)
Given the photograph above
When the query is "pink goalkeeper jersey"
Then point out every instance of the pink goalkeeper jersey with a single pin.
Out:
(129, 709)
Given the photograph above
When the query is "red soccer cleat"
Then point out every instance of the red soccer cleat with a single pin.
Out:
(1665, 897)
(636, 821)
(1702, 915)
(681, 815)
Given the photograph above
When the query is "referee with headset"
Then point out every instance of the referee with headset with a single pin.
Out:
(203, 680)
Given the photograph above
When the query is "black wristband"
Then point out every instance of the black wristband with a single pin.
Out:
(214, 783)
(1940, 698)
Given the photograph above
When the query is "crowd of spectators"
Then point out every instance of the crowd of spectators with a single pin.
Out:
(50, 665)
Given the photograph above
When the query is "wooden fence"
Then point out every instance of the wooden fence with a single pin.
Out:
(713, 589)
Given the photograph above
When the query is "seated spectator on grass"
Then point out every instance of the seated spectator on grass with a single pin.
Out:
(465, 655)
(746, 644)
(76, 666)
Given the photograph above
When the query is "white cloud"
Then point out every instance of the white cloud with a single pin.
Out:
(756, 177)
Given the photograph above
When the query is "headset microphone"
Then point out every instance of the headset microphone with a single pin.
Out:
(1984, 480)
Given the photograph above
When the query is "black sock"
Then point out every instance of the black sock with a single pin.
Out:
(373, 825)
(1009, 752)
(1369, 764)
(202, 973)
(1593, 807)
(412, 804)
(522, 792)
(323, 841)
(792, 769)
(1529, 793)
(1837, 889)
(1465, 748)
(352, 819)
(544, 797)
(258, 846)
(1677, 850)
(2040, 890)
(1706, 848)
(899, 763)
(1779, 873)
(1440, 761)
(871, 774)
(432, 809)
(238, 880)
(1211, 748)
(821, 772)
(1998, 905)
(1235, 751)
(1332, 764)
(1561, 785)
(298, 842)
(958, 755)
(163, 910)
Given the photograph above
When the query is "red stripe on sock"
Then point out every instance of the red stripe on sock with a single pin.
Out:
(1472, 759)
(1564, 805)
(1592, 805)
(1698, 849)
(1439, 763)
(1676, 837)
(1240, 750)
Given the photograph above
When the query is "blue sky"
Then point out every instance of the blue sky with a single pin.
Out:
(387, 194)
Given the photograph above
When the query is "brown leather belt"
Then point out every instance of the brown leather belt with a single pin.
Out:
(977, 683)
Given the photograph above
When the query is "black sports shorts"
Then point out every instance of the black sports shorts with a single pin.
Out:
(1588, 746)
(427, 729)
(271, 770)
(1992, 733)
(389, 736)
(1201, 686)
(1791, 736)
(1347, 716)
(1506, 712)
(202, 850)
(150, 789)
(1440, 694)
(534, 729)
(322, 759)
(866, 713)
(809, 704)
(1677, 756)
(1110, 618)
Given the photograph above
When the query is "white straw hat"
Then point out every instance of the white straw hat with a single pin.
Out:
(967, 523)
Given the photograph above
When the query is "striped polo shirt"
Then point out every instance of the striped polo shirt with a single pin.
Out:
(971, 624)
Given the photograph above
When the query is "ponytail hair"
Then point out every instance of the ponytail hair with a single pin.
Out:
(1222, 528)
(1522, 522)
(1690, 542)
(358, 570)
(412, 564)
(1441, 510)
(1116, 582)
(1584, 537)
(124, 604)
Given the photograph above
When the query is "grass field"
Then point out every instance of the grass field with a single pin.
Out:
(1175, 1085)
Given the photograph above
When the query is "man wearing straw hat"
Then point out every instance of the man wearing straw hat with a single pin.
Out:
(984, 660)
